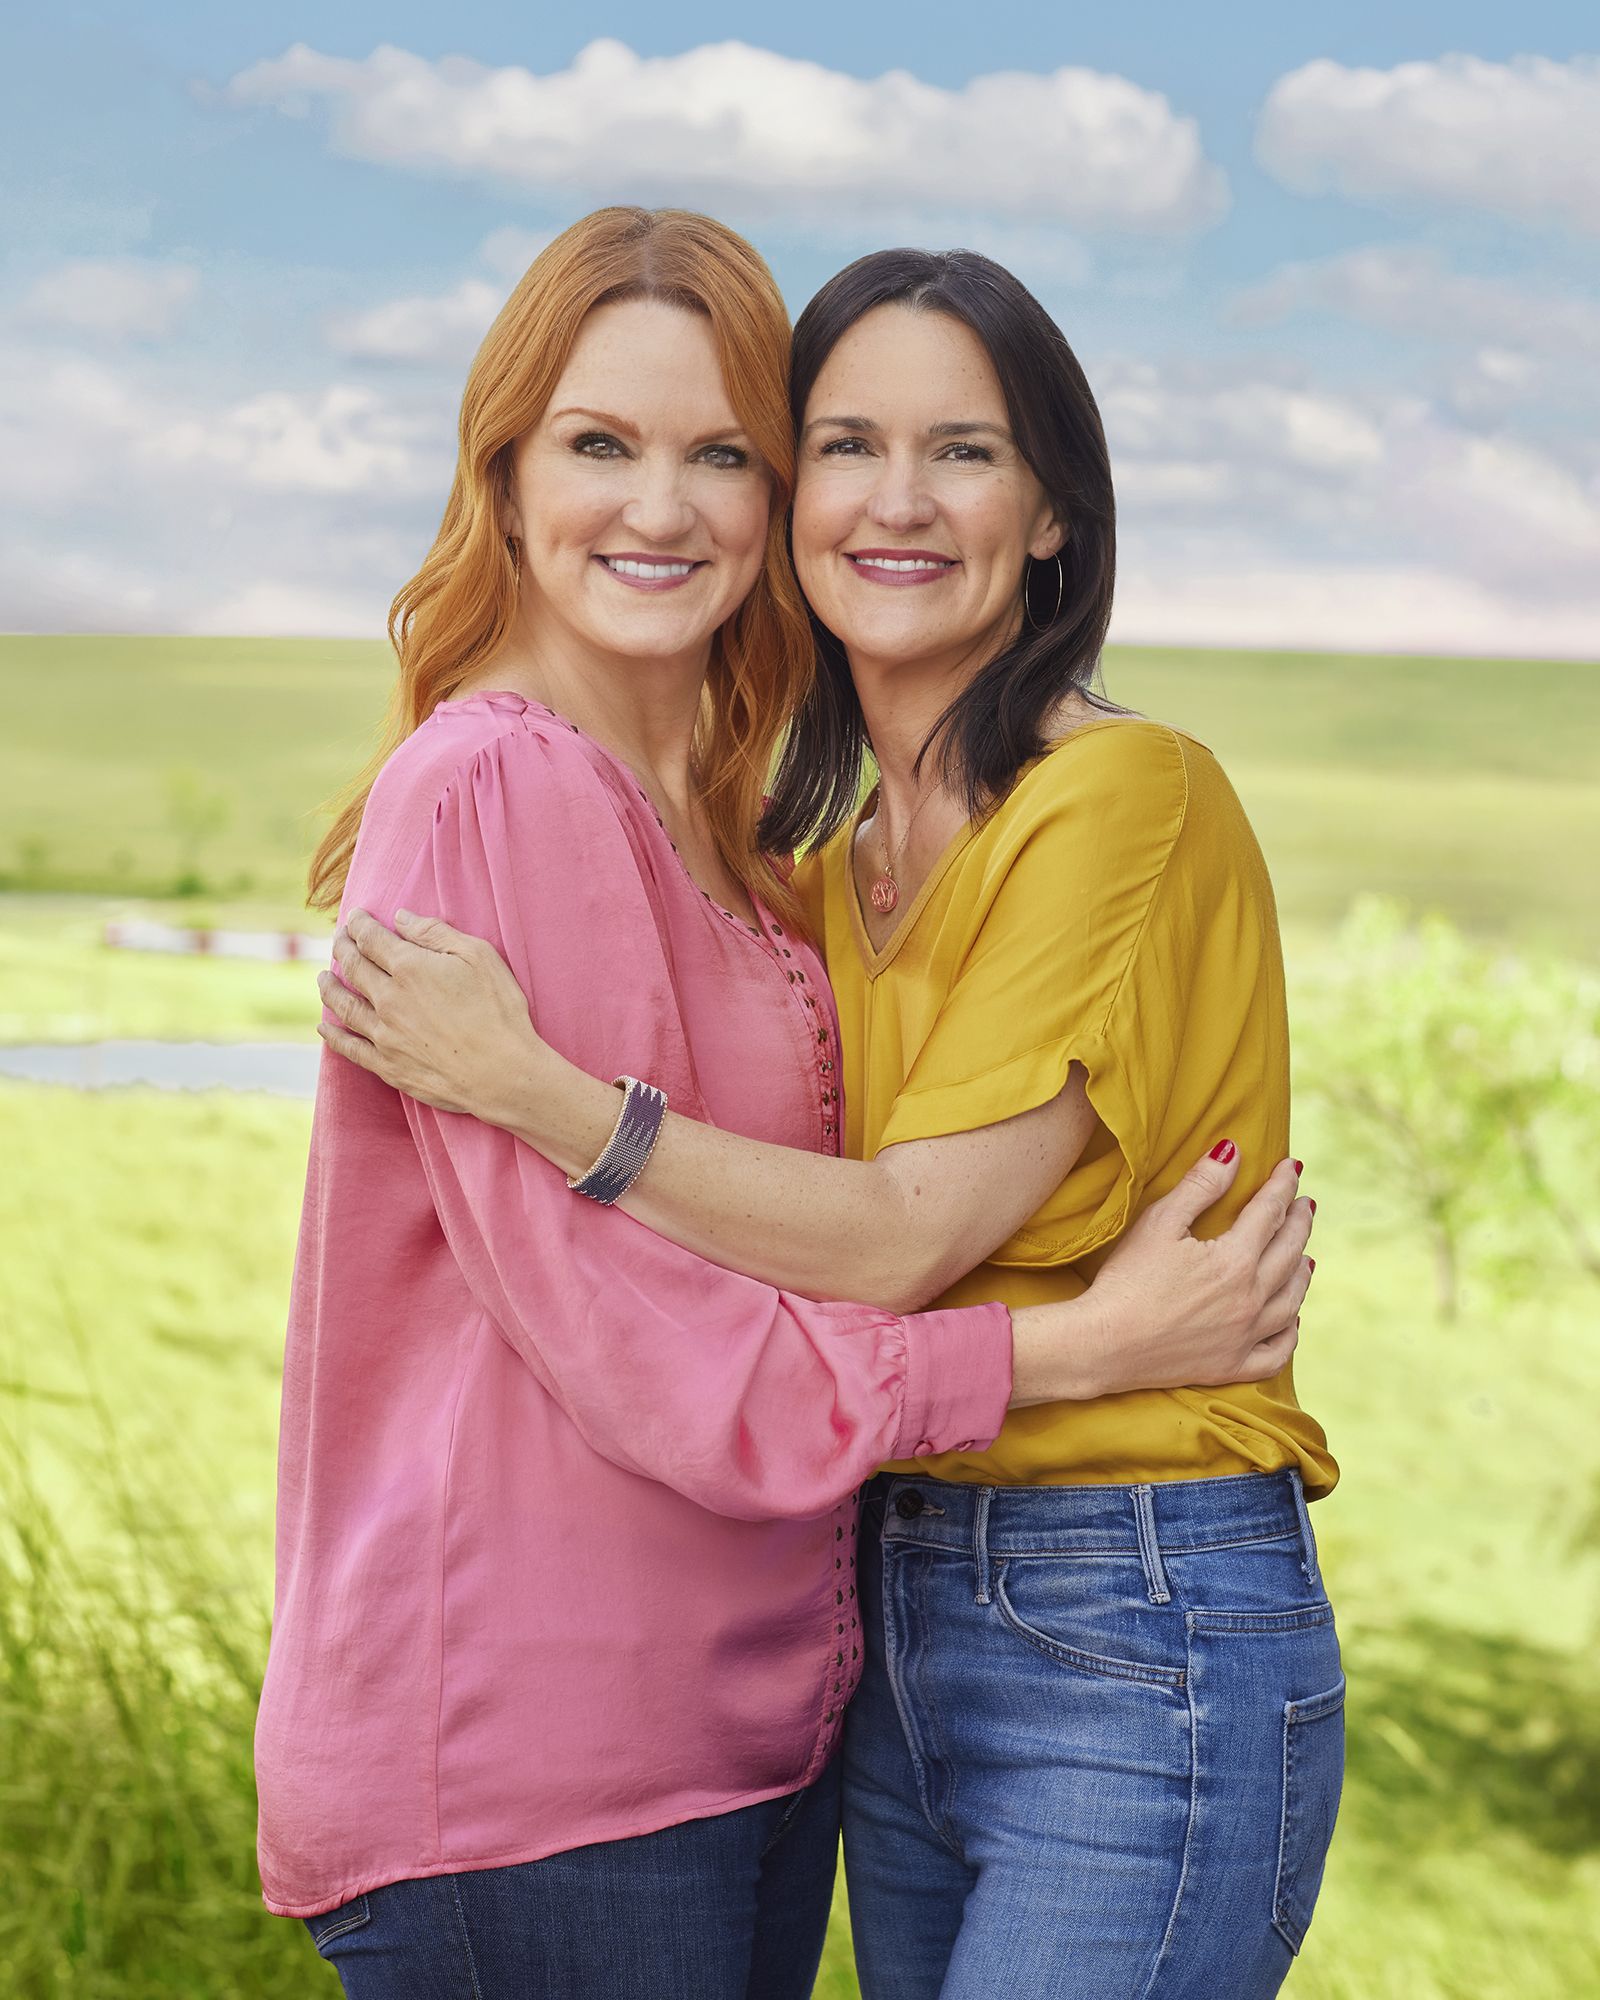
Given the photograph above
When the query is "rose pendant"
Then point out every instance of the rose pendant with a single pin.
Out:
(885, 894)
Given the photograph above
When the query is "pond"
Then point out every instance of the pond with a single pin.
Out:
(282, 1069)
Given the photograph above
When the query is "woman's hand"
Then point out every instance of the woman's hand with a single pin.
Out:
(1168, 1310)
(436, 1013)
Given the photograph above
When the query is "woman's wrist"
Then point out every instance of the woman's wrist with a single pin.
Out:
(1059, 1352)
(556, 1108)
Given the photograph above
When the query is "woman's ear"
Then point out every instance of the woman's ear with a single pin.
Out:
(1050, 540)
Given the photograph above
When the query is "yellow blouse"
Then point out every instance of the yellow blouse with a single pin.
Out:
(1116, 911)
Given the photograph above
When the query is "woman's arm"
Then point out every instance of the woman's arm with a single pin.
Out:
(452, 1025)
(443, 1020)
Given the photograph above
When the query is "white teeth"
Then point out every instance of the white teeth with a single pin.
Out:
(652, 571)
(885, 562)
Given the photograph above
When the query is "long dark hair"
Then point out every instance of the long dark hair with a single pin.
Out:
(995, 724)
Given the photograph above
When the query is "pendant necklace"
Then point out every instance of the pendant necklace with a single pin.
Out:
(884, 894)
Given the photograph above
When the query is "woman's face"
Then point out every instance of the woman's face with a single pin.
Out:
(915, 512)
(638, 498)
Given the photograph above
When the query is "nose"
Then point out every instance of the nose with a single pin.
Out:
(658, 510)
(900, 500)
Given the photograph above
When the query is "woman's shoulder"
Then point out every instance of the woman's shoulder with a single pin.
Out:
(480, 745)
(1126, 764)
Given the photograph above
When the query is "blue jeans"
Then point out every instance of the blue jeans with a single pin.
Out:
(729, 1908)
(1099, 1741)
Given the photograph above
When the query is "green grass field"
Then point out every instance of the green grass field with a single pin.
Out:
(145, 1247)
(129, 765)
(1468, 1862)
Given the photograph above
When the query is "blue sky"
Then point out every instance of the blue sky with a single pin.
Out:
(1337, 284)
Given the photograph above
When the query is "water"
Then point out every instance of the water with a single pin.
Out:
(281, 1069)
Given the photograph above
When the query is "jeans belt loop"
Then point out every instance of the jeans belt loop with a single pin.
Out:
(1155, 1576)
(980, 1541)
(1308, 1560)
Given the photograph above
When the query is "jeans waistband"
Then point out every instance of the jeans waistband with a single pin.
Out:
(1172, 1516)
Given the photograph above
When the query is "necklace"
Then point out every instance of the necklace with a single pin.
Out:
(884, 894)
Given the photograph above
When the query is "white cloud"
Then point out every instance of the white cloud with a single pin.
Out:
(128, 506)
(443, 327)
(1168, 599)
(112, 298)
(508, 252)
(269, 609)
(744, 127)
(1410, 289)
(1515, 139)
(1268, 512)
(345, 439)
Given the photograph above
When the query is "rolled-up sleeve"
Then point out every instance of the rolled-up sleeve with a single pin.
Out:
(751, 1401)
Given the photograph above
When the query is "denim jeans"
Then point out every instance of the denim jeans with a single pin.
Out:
(1099, 1742)
(729, 1908)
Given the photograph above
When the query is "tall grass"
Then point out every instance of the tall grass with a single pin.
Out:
(127, 1805)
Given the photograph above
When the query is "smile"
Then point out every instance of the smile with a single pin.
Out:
(898, 567)
(649, 572)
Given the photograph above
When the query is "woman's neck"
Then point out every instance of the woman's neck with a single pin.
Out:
(900, 706)
(642, 710)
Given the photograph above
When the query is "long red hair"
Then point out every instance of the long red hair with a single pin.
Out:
(456, 611)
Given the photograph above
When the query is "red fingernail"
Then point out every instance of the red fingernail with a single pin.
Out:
(1299, 1167)
(1313, 1201)
(1224, 1150)
(1312, 1262)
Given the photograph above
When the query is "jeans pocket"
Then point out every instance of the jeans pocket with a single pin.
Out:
(1076, 1619)
(335, 1924)
(1313, 1776)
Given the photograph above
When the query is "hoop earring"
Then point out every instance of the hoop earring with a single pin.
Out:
(1061, 591)
(514, 550)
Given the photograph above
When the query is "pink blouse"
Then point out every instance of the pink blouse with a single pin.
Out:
(566, 1515)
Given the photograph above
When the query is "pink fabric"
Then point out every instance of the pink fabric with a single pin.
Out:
(565, 1514)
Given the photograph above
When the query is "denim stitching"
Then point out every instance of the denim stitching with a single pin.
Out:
(1188, 1825)
(352, 1923)
(1144, 1515)
(892, 1665)
(1306, 1619)
(980, 1542)
(785, 1821)
(1099, 1551)
(1308, 1561)
(466, 1939)
(1284, 1931)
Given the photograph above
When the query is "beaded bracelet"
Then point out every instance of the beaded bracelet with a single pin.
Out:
(626, 1153)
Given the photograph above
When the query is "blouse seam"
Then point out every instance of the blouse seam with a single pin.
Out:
(444, 1529)
(1155, 888)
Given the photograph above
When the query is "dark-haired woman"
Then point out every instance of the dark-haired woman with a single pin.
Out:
(1097, 1749)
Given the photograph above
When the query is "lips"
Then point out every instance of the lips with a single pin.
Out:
(652, 569)
(900, 566)
(645, 572)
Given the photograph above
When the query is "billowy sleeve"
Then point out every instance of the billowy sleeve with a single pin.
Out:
(753, 1402)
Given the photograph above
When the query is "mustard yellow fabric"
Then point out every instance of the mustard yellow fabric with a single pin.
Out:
(1116, 911)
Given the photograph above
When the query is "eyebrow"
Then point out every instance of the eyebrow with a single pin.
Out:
(961, 427)
(611, 423)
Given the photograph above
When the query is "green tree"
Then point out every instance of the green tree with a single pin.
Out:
(1466, 1079)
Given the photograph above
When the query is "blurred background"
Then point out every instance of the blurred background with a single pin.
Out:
(1336, 287)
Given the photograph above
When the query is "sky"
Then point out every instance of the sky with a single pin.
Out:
(1335, 282)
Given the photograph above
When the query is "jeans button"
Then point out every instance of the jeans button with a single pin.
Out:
(908, 1505)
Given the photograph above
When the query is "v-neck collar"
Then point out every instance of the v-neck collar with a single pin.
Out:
(875, 961)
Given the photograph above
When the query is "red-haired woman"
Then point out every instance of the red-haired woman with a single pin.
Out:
(566, 1610)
